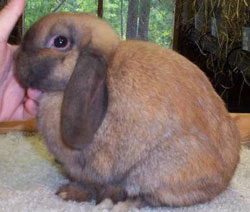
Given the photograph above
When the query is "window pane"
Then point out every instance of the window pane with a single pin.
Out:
(35, 9)
(151, 20)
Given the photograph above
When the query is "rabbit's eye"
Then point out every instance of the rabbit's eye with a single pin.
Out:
(60, 42)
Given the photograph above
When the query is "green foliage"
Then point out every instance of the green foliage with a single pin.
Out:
(112, 14)
(36, 9)
(160, 21)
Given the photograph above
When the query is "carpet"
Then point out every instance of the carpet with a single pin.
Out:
(29, 177)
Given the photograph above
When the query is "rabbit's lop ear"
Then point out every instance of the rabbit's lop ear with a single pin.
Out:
(85, 100)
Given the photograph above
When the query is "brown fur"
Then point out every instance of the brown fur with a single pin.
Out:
(166, 135)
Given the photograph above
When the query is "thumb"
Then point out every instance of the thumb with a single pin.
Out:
(9, 16)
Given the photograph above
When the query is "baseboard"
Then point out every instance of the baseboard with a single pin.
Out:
(29, 126)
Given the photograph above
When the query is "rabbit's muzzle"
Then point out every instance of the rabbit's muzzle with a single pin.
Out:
(34, 71)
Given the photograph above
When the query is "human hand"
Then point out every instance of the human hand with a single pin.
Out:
(16, 104)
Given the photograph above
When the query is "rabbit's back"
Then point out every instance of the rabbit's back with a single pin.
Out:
(156, 92)
(167, 123)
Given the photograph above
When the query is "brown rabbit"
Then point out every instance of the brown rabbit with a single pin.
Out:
(128, 120)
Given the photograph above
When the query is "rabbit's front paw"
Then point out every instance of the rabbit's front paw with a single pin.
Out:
(76, 192)
(115, 193)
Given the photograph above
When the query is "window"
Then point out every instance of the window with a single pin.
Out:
(148, 19)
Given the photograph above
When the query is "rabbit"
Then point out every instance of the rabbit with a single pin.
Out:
(129, 120)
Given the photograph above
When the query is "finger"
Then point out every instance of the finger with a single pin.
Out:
(21, 114)
(9, 16)
(24, 112)
(31, 107)
(34, 94)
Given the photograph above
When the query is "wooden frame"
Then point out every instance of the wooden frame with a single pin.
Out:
(242, 121)
(177, 21)
(100, 8)
(26, 126)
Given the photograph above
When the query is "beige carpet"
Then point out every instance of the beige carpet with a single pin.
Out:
(29, 178)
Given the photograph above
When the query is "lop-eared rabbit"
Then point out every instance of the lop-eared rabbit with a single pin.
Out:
(128, 120)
